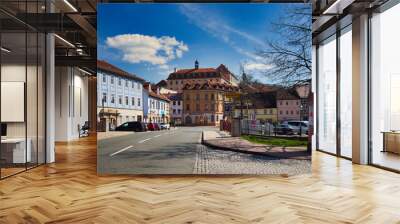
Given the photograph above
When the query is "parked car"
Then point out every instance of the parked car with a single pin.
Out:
(164, 126)
(298, 126)
(156, 127)
(150, 127)
(131, 126)
(284, 129)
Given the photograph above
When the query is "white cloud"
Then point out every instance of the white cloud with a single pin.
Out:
(137, 48)
(256, 67)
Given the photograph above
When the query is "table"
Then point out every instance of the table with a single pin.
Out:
(391, 141)
(13, 150)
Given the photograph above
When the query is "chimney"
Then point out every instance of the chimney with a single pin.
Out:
(196, 64)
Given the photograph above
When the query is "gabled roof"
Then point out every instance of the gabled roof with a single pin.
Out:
(158, 96)
(221, 72)
(261, 100)
(107, 67)
(287, 94)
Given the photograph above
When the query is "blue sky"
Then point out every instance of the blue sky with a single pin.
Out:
(150, 40)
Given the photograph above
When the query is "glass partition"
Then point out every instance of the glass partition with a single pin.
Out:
(385, 89)
(327, 95)
(22, 88)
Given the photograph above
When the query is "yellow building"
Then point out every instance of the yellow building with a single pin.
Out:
(258, 106)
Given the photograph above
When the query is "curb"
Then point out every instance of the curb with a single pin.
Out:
(245, 151)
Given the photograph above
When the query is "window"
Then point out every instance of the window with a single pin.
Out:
(104, 78)
(291, 112)
(327, 95)
(287, 112)
(133, 101)
(280, 103)
(280, 112)
(138, 102)
(119, 81)
(179, 103)
(120, 100)
(126, 100)
(112, 98)
(287, 103)
(187, 107)
(126, 83)
(346, 93)
(385, 87)
(197, 96)
(112, 80)
(139, 86)
(187, 97)
(212, 107)
(212, 96)
(133, 84)
(174, 111)
(179, 111)
(206, 107)
(104, 98)
(174, 102)
(176, 82)
(206, 96)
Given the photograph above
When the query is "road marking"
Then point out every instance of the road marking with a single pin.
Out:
(119, 151)
(144, 140)
(157, 136)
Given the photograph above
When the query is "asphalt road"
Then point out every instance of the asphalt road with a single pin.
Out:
(157, 152)
(178, 151)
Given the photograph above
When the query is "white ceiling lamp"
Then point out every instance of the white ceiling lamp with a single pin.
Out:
(5, 50)
(64, 40)
(70, 5)
(337, 7)
(86, 72)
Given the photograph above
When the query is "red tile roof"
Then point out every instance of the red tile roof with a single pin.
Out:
(220, 72)
(105, 66)
(158, 96)
(210, 86)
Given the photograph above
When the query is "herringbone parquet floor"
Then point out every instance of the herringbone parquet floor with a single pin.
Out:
(69, 191)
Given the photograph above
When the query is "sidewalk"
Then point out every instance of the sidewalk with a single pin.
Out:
(223, 141)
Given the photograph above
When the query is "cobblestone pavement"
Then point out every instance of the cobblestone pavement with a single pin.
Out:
(212, 161)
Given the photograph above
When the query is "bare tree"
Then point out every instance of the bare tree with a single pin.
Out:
(290, 55)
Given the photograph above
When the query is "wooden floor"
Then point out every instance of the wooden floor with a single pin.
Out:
(69, 191)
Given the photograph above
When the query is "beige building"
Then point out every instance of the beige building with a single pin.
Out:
(203, 104)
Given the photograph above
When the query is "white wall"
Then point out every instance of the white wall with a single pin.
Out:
(71, 103)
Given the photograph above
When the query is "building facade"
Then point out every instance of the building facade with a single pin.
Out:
(288, 105)
(176, 108)
(119, 96)
(203, 104)
(258, 106)
(157, 107)
(178, 79)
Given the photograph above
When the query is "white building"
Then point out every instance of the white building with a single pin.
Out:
(176, 108)
(157, 107)
(120, 96)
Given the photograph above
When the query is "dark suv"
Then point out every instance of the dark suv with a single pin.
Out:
(131, 126)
